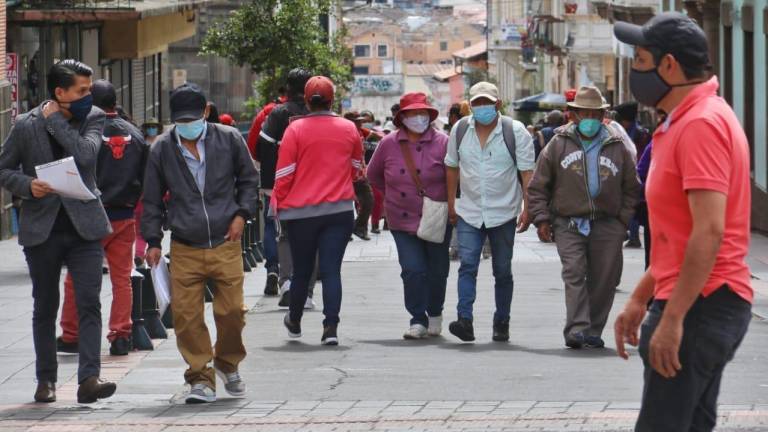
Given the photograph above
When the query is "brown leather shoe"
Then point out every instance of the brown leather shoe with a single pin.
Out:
(93, 389)
(46, 392)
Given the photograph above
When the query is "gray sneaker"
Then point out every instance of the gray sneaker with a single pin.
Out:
(233, 383)
(200, 393)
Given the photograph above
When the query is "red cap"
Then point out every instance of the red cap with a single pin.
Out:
(226, 119)
(414, 101)
(319, 86)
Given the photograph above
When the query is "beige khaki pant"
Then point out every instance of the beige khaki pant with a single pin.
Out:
(190, 268)
(592, 269)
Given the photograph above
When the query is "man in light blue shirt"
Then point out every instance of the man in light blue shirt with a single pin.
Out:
(493, 203)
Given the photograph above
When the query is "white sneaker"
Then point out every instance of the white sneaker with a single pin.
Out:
(417, 331)
(285, 294)
(310, 304)
(233, 383)
(435, 326)
(200, 393)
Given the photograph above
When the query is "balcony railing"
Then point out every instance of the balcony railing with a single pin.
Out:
(76, 4)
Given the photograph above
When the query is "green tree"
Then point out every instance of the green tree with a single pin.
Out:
(275, 36)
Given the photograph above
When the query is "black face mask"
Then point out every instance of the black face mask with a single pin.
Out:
(649, 88)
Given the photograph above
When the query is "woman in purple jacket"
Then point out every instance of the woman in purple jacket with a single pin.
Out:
(424, 264)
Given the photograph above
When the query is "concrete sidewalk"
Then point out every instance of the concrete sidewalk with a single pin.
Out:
(375, 380)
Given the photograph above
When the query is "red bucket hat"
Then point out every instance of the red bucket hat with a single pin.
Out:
(414, 101)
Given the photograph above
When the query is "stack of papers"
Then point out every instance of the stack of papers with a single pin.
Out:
(161, 279)
(64, 178)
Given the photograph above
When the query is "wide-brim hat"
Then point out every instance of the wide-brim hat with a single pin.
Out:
(589, 97)
(413, 102)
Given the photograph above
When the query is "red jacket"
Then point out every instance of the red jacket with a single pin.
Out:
(258, 121)
(319, 156)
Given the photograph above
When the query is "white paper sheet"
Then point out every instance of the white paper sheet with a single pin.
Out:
(161, 279)
(64, 177)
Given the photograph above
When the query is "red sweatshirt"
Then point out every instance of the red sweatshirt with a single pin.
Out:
(318, 158)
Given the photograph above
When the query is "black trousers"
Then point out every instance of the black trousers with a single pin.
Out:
(712, 331)
(321, 239)
(364, 195)
(83, 260)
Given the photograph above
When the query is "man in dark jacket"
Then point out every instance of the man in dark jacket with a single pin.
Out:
(213, 188)
(584, 189)
(55, 230)
(119, 176)
(269, 144)
(626, 115)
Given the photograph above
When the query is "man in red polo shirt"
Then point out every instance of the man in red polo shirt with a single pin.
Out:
(698, 195)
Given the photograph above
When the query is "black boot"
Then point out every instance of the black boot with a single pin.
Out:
(501, 331)
(462, 329)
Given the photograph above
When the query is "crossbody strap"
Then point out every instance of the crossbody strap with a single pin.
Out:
(411, 167)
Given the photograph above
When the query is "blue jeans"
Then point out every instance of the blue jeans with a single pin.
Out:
(424, 270)
(471, 239)
(712, 332)
(270, 241)
(326, 236)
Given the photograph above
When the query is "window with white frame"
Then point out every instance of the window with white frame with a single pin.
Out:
(382, 50)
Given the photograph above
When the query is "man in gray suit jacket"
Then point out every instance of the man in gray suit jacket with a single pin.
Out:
(55, 230)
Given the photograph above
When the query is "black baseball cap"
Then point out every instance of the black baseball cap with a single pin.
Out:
(104, 95)
(668, 33)
(187, 103)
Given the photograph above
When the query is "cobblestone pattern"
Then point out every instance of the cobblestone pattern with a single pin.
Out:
(341, 416)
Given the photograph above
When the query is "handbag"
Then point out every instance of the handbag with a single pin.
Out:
(434, 214)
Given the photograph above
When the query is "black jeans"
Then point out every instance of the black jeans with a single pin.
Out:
(713, 329)
(83, 259)
(364, 195)
(326, 236)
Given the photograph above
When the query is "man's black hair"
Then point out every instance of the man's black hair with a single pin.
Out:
(297, 79)
(213, 114)
(395, 108)
(63, 73)
(691, 71)
(455, 110)
(317, 103)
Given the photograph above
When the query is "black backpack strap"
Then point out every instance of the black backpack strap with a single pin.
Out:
(461, 129)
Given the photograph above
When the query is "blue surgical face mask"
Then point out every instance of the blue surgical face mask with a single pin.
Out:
(192, 130)
(152, 131)
(589, 127)
(81, 107)
(485, 114)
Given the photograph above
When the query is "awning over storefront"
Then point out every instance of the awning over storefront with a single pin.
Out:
(540, 102)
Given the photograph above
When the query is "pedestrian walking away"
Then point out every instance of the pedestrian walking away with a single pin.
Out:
(626, 115)
(56, 231)
(213, 188)
(583, 193)
(363, 191)
(119, 176)
(699, 197)
(408, 166)
(492, 156)
(280, 265)
(319, 156)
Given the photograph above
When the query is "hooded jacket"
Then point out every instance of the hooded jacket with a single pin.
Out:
(559, 186)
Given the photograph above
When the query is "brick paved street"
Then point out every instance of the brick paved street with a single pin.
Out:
(375, 380)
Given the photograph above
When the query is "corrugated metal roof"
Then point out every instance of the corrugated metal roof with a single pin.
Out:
(472, 50)
(445, 74)
(423, 69)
